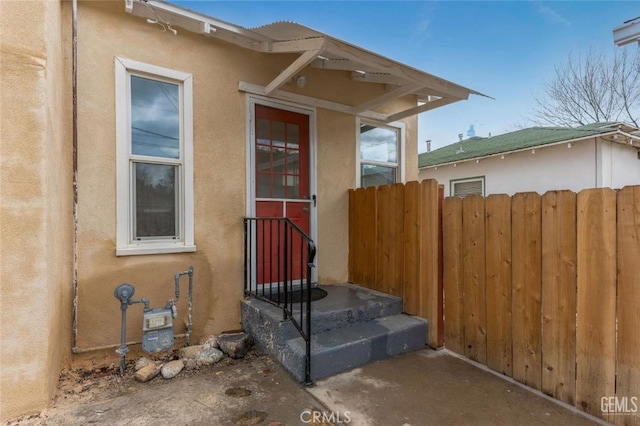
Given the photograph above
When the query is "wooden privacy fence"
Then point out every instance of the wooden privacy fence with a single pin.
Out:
(546, 289)
(395, 246)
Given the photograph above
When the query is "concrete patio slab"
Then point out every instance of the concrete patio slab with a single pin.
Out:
(429, 387)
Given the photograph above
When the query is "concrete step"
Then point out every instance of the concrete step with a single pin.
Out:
(342, 349)
(349, 304)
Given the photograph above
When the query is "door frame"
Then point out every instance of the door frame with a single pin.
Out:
(310, 112)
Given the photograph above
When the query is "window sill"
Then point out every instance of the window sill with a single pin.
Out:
(154, 249)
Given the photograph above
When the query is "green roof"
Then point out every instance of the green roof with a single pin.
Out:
(521, 139)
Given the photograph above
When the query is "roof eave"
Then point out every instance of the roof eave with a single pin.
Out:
(566, 141)
(433, 91)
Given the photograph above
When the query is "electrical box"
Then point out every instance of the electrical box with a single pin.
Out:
(157, 330)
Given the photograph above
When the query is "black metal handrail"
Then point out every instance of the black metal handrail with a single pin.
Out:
(271, 270)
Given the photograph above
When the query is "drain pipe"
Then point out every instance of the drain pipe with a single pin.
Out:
(74, 84)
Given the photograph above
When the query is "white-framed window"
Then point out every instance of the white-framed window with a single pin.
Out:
(380, 153)
(154, 159)
(468, 186)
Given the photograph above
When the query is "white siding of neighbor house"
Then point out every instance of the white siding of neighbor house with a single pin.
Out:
(625, 168)
(586, 164)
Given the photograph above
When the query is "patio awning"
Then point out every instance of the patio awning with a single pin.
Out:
(316, 50)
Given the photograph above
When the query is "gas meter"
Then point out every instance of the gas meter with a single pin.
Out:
(157, 330)
(157, 323)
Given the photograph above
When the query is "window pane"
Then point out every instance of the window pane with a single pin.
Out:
(462, 189)
(278, 155)
(293, 161)
(278, 186)
(378, 144)
(155, 118)
(263, 131)
(293, 136)
(278, 135)
(292, 182)
(263, 186)
(263, 158)
(372, 175)
(155, 200)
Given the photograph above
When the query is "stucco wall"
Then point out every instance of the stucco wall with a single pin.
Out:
(550, 168)
(220, 137)
(36, 212)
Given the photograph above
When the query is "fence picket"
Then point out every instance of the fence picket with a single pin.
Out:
(526, 288)
(454, 332)
(559, 295)
(352, 235)
(596, 313)
(429, 258)
(473, 273)
(382, 239)
(369, 215)
(395, 275)
(628, 357)
(498, 282)
(412, 288)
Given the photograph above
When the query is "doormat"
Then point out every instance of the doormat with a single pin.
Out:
(298, 295)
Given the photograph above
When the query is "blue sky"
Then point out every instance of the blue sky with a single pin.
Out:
(505, 49)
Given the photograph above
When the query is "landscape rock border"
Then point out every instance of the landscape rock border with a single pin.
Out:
(211, 350)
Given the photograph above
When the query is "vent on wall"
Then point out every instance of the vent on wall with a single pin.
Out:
(462, 188)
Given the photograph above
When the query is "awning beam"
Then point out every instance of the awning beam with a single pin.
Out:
(386, 97)
(295, 67)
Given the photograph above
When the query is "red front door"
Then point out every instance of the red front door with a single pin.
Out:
(282, 187)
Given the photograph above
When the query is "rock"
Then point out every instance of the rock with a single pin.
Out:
(209, 356)
(190, 364)
(147, 373)
(142, 362)
(212, 342)
(172, 369)
(235, 345)
(190, 352)
(204, 338)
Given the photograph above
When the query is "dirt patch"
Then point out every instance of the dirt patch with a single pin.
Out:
(81, 387)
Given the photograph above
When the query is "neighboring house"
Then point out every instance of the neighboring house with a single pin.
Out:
(537, 159)
(175, 138)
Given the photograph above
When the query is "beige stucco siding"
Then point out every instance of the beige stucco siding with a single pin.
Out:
(36, 215)
(220, 162)
(336, 153)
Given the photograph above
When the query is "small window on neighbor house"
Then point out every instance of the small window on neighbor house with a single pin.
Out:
(464, 187)
(154, 159)
(379, 156)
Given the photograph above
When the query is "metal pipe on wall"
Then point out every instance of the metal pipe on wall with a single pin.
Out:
(74, 85)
